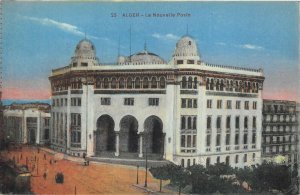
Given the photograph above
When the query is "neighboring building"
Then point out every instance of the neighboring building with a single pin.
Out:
(280, 130)
(27, 123)
(185, 111)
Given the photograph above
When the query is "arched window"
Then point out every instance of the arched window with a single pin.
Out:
(137, 83)
(195, 82)
(183, 83)
(236, 86)
(98, 83)
(106, 84)
(153, 82)
(207, 84)
(218, 85)
(218, 159)
(254, 122)
(219, 122)
(246, 122)
(208, 123)
(195, 123)
(211, 87)
(182, 122)
(189, 122)
(222, 85)
(190, 82)
(121, 83)
(113, 83)
(231, 86)
(162, 82)
(145, 83)
(129, 83)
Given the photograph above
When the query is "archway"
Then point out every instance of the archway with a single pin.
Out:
(105, 134)
(128, 134)
(153, 136)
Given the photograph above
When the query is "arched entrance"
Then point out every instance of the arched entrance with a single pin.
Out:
(128, 134)
(105, 134)
(153, 135)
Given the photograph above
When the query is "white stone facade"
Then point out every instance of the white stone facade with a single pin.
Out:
(27, 123)
(122, 110)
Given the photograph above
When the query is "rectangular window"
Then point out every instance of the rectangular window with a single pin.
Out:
(84, 64)
(228, 122)
(254, 138)
(53, 103)
(189, 141)
(190, 62)
(209, 104)
(237, 122)
(254, 105)
(219, 104)
(179, 61)
(237, 139)
(66, 102)
(75, 101)
(245, 157)
(254, 122)
(246, 105)
(183, 103)
(208, 122)
(228, 104)
(195, 104)
(105, 101)
(227, 139)
(208, 137)
(190, 103)
(129, 101)
(238, 105)
(218, 140)
(245, 138)
(182, 140)
(153, 101)
(194, 140)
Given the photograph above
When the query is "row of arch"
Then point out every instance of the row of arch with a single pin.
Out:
(231, 85)
(189, 83)
(129, 82)
(280, 118)
(128, 138)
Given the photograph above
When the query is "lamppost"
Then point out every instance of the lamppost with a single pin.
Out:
(137, 174)
(146, 175)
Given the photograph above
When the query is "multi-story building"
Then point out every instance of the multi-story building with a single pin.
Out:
(27, 123)
(280, 130)
(186, 111)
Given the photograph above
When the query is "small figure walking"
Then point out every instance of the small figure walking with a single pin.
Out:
(45, 175)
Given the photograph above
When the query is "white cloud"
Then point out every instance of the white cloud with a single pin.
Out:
(165, 37)
(221, 43)
(250, 46)
(60, 25)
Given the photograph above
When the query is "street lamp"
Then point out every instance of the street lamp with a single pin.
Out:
(137, 174)
(146, 160)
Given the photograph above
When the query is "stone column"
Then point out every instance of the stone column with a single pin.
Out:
(117, 153)
(141, 145)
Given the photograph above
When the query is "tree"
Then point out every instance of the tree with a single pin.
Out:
(160, 173)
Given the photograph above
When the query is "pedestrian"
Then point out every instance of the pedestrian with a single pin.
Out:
(44, 156)
(45, 175)
(21, 157)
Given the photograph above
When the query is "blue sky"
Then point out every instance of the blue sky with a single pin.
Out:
(40, 36)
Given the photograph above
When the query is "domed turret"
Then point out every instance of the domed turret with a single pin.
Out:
(85, 54)
(186, 51)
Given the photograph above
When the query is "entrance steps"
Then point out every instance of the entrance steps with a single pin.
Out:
(130, 159)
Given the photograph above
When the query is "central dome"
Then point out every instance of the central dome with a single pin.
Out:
(143, 57)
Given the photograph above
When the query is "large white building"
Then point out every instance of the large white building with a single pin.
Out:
(186, 111)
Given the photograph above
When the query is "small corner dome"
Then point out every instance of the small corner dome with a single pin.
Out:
(186, 46)
(85, 48)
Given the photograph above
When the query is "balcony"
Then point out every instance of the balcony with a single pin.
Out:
(218, 148)
(236, 147)
(227, 148)
(207, 149)
(245, 147)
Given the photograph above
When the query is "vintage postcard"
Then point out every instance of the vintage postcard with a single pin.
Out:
(135, 97)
